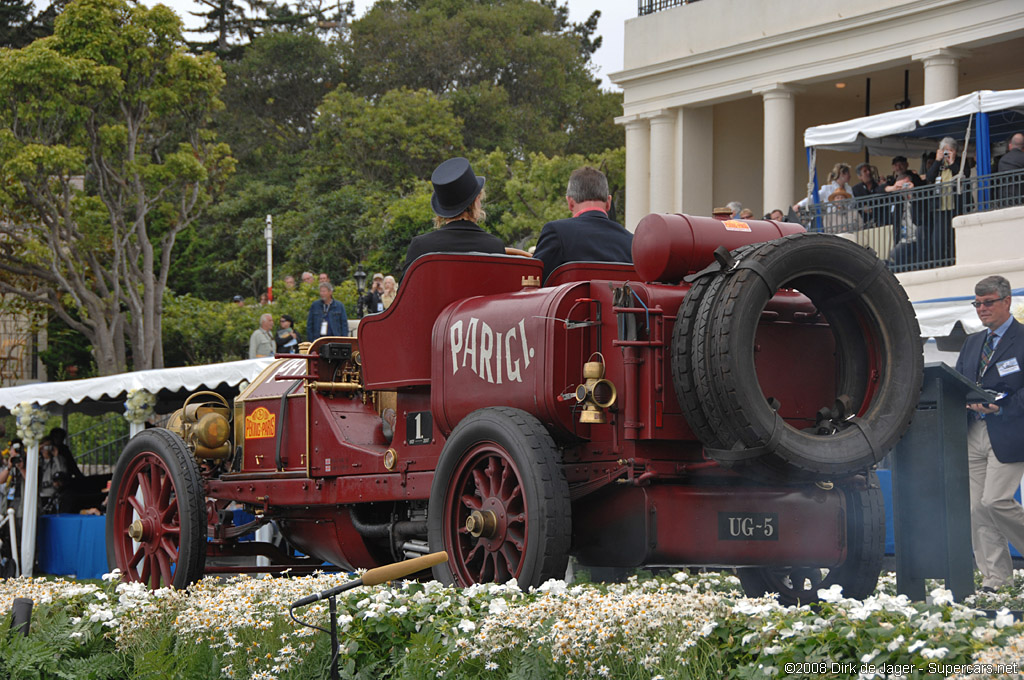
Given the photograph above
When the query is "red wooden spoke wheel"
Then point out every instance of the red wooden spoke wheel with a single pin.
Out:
(156, 523)
(499, 503)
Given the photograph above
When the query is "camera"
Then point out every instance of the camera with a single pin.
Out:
(15, 459)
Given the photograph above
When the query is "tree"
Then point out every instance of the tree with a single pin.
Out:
(104, 159)
(516, 71)
(19, 27)
(235, 25)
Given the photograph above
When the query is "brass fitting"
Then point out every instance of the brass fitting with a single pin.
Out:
(596, 393)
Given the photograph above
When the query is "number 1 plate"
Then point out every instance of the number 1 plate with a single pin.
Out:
(748, 526)
(419, 428)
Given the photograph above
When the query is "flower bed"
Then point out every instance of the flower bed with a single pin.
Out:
(684, 626)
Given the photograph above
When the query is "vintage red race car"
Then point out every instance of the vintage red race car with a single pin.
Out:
(721, 402)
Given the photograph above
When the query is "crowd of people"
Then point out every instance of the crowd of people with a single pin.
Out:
(918, 207)
(326, 317)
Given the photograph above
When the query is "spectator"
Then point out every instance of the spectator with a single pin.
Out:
(899, 164)
(869, 190)
(589, 235)
(734, 208)
(307, 277)
(261, 342)
(838, 184)
(59, 437)
(746, 214)
(906, 211)
(264, 299)
(390, 291)
(326, 316)
(458, 205)
(776, 215)
(995, 436)
(1012, 160)
(49, 465)
(936, 235)
(323, 278)
(238, 300)
(289, 282)
(12, 478)
(287, 339)
(373, 301)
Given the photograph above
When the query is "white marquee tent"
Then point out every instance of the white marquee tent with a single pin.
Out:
(107, 394)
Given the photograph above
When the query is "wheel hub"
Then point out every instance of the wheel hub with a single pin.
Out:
(136, 530)
(482, 524)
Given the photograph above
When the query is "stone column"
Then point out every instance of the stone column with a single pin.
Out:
(695, 162)
(663, 176)
(941, 75)
(779, 147)
(638, 169)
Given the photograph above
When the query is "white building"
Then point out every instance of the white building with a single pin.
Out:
(717, 93)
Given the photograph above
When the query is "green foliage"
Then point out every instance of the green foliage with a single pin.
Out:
(531, 89)
(104, 159)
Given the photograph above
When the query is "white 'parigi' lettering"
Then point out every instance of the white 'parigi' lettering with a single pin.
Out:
(484, 349)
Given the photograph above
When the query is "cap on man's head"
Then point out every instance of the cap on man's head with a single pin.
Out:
(237, 298)
(899, 159)
(378, 275)
(455, 187)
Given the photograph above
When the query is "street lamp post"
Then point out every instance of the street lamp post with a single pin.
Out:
(360, 276)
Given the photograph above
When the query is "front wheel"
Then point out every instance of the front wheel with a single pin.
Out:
(499, 502)
(858, 574)
(156, 525)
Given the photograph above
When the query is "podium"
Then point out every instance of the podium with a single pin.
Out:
(931, 488)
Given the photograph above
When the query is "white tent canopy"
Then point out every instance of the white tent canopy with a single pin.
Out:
(938, 318)
(107, 393)
(877, 132)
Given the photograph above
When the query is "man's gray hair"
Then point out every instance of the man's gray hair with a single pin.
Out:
(324, 284)
(587, 184)
(993, 284)
(949, 143)
(264, 317)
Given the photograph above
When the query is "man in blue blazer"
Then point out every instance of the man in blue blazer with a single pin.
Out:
(995, 436)
(589, 235)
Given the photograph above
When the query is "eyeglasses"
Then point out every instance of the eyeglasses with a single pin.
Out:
(986, 303)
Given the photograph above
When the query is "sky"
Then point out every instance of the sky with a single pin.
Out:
(608, 59)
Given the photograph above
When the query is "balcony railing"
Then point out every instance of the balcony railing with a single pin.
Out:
(651, 6)
(913, 228)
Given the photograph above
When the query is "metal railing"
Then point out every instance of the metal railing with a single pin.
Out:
(913, 228)
(96, 448)
(651, 6)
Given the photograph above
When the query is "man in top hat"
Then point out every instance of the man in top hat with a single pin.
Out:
(457, 202)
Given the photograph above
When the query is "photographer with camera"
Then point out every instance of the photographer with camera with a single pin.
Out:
(950, 195)
(12, 477)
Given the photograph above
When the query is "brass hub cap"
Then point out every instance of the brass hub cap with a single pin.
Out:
(482, 523)
(136, 530)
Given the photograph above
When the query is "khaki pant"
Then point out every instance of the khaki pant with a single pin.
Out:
(995, 516)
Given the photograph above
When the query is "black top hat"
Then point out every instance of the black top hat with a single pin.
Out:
(455, 187)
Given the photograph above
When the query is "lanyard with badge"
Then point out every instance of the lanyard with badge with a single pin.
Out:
(323, 324)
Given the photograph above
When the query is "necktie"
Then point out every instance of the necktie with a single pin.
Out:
(987, 350)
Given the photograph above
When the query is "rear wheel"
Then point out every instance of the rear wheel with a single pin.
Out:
(156, 527)
(499, 503)
(858, 574)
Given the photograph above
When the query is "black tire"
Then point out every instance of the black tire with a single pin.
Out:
(879, 362)
(858, 574)
(502, 463)
(157, 483)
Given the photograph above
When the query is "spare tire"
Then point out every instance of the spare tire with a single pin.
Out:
(878, 360)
